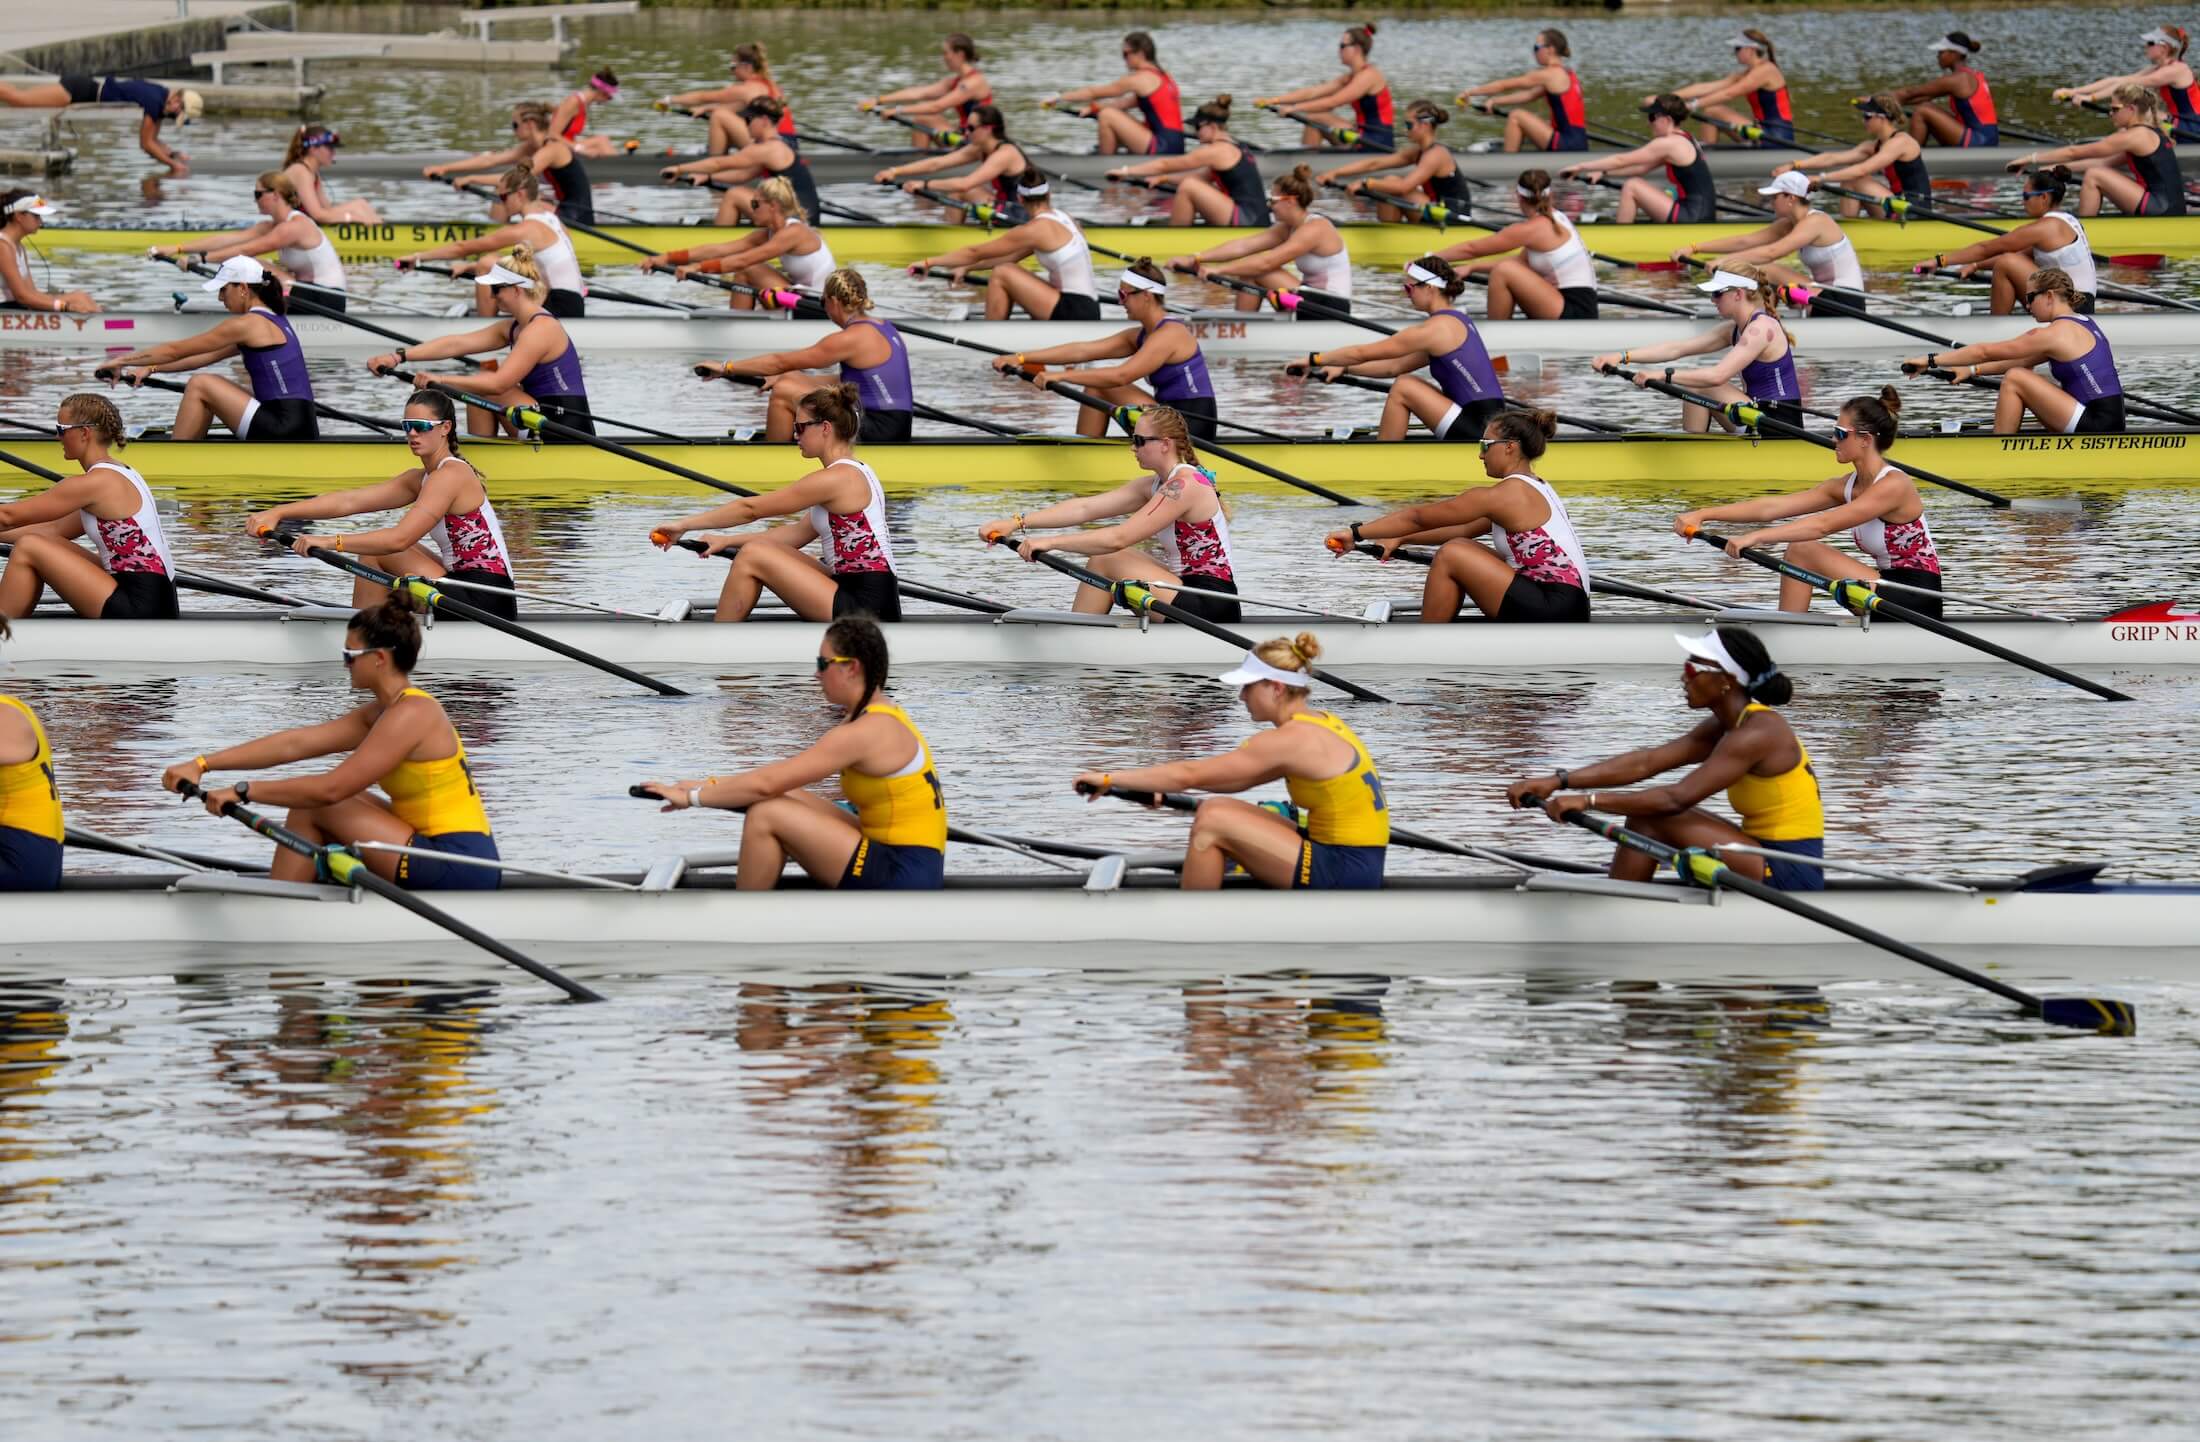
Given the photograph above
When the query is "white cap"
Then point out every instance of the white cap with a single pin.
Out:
(1792, 182)
(1709, 649)
(1726, 280)
(194, 106)
(237, 270)
(2158, 36)
(37, 205)
(1252, 669)
(498, 275)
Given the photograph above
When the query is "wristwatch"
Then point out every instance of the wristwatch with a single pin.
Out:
(1355, 528)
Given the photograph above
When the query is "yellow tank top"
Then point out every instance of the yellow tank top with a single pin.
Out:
(905, 809)
(1783, 807)
(436, 798)
(30, 799)
(1346, 810)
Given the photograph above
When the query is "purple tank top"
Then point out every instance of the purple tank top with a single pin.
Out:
(883, 387)
(1182, 380)
(277, 372)
(2091, 376)
(1769, 380)
(1465, 374)
(560, 377)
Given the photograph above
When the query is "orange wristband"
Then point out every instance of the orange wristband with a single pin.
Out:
(677, 257)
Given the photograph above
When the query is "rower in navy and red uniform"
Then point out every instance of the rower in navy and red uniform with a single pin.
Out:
(131, 577)
(840, 505)
(1758, 80)
(446, 504)
(1157, 127)
(539, 148)
(570, 119)
(870, 353)
(2166, 72)
(2085, 395)
(2155, 184)
(1553, 81)
(279, 405)
(1176, 505)
(959, 93)
(32, 831)
(769, 156)
(1692, 195)
(1888, 163)
(751, 68)
(1968, 119)
(1430, 174)
(1462, 392)
(1159, 345)
(158, 103)
(985, 141)
(1230, 193)
(541, 366)
(1358, 100)
(1757, 369)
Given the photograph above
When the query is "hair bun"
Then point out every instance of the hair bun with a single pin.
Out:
(1891, 399)
(1307, 648)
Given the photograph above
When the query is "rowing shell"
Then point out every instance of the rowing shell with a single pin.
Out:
(1660, 463)
(2162, 635)
(1262, 334)
(1878, 242)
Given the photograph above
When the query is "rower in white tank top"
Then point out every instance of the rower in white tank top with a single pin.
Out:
(855, 540)
(1070, 268)
(135, 542)
(471, 540)
(1550, 552)
(1566, 266)
(1330, 274)
(560, 267)
(1834, 265)
(317, 265)
(2075, 259)
(808, 272)
(1905, 545)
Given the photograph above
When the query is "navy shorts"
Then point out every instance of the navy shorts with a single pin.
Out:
(426, 873)
(1323, 867)
(879, 867)
(28, 861)
(1789, 875)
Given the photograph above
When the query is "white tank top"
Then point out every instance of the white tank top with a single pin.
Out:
(809, 271)
(1567, 264)
(471, 540)
(560, 267)
(1531, 552)
(1908, 544)
(1070, 267)
(134, 543)
(855, 540)
(2076, 258)
(1194, 549)
(317, 263)
(1330, 274)
(22, 266)
(1834, 265)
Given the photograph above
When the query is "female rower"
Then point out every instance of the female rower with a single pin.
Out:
(22, 214)
(2155, 185)
(1068, 290)
(1343, 835)
(1758, 79)
(1798, 229)
(279, 404)
(1298, 237)
(870, 353)
(781, 234)
(1359, 99)
(2052, 237)
(302, 250)
(1758, 367)
(769, 155)
(1231, 193)
(1874, 501)
(131, 578)
(1464, 394)
(570, 120)
(31, 826)
(1744, 746)
(1140, 113)
(1176, 504)
(985, 142)
(1889, 162)
(1157, 344)
(1432, 177)
(313, 150)
(157, 103)
(526, 218)
(943, 104)
(896, 841)
(751, 68)
(1553, 81)
(842, 507)
(1694, 195)
(1968, 119)
(2085, 396)
(1551, 278)
(445, 501)
(541, 366)
(402, 740)
(2165, 72)
(534, 145)
(1536, 569)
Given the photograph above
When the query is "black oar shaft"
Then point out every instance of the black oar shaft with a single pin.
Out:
(915, 589)
(162, 383)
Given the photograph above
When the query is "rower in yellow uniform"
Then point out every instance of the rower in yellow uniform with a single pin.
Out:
(30, 799)
(1343, 834)
(897, 839)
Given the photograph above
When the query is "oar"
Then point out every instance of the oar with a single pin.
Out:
(158, 383)
(1602, 585)
(2101, 287)
(310, 306)
(915, 589)
(823, 137)
(1904, 209)
(1702, 868)
(1859, 597)
(426, 592)
(824, 206)
(348, 870)
(1718, 202)
(1286, 300)
(1138, 596)
(78, 838)
(595, 288)
(1381, 387)
(1602, 137)
(1755, 134)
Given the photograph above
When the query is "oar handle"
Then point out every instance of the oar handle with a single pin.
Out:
(1173, 800)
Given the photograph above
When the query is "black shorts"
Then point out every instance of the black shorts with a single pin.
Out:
(28, 861)
(1531, 601)
(1076, 307)
(2104, 417)
(1848, 301)
(566, 304)
(1581, 302)
(566, 411)
(2155, 202)
(1695, 210)
(867, 593)
(505, 607)
(83, 89)
(1471, 421)
(140, 596)
(1198, 413)
(1910, 576)
(289, 419)
(884, 426)
(1211, 608)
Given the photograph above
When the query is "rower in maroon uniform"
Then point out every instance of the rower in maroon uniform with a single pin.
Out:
(1145, 87)
(1556, 83)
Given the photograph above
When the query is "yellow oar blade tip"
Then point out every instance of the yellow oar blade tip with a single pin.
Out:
(2086, 1013)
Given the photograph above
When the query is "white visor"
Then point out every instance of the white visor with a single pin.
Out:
(1042, 188)
(1136, 281)
(498, 275)
(1726, 280)
(1709, 649)
(1418, 276)
(1743, 42)
(2159, 37)
(237, 270)
(1945, 43)
(36, 204)
(1794, 183)
(1252, 669)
